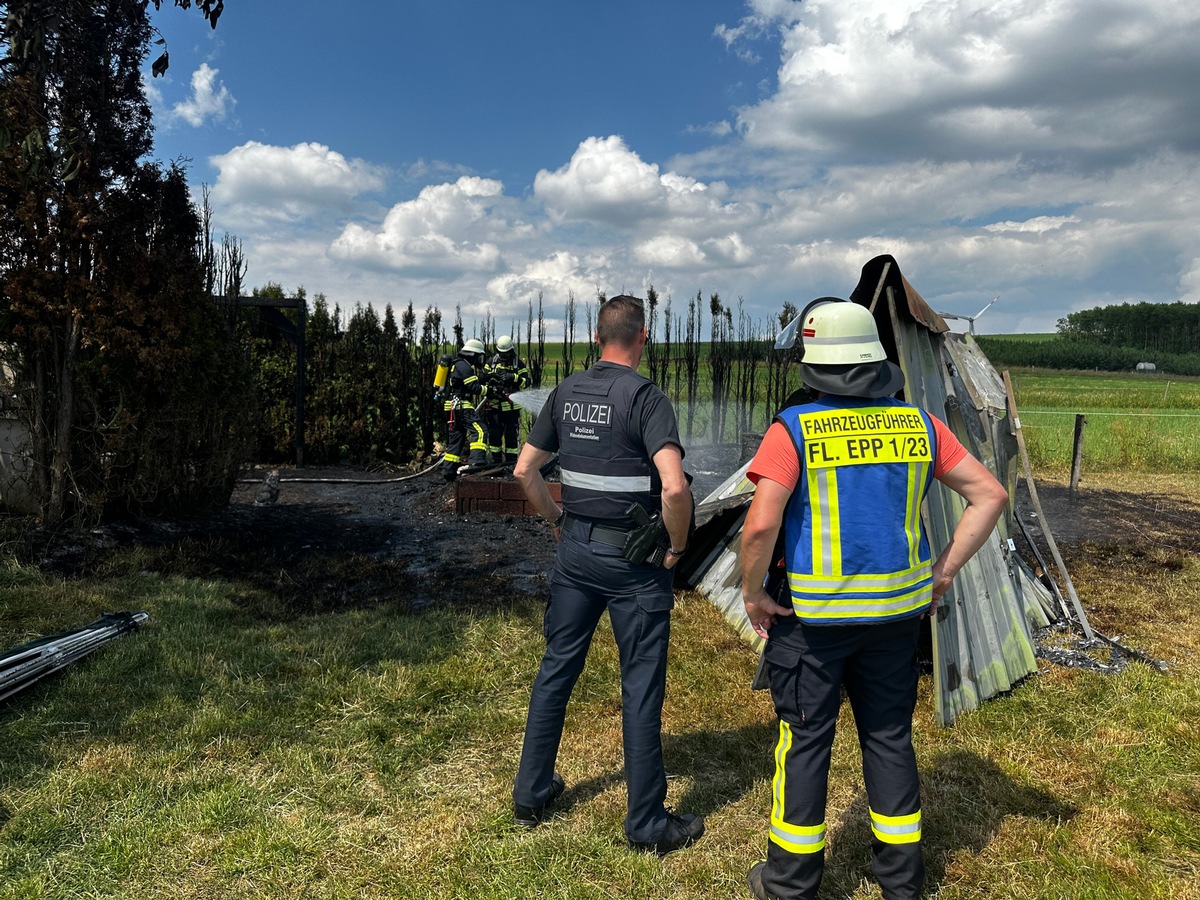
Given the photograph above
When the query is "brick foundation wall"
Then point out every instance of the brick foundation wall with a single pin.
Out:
(496, 496)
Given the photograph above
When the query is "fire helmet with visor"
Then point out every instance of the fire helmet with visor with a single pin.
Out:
(842, 353)
(472, 348)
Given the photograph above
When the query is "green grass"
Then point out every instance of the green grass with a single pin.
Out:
(1135, 423)
(230, 749)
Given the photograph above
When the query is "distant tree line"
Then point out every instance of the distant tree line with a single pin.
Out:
(1065, 354)
(1112, 338)
(1150, 327)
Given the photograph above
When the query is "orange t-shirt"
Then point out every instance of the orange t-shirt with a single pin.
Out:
(776, 457)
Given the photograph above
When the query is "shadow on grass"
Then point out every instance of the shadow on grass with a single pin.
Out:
(965, 799)
(285, 603)
(723, 765)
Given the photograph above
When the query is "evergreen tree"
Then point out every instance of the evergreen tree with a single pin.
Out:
(101, 261)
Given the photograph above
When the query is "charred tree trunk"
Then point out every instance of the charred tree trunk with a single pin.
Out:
(60, 460)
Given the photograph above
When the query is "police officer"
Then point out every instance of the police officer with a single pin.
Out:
(618, 443)
(507, 374)
(466, 391)
(843, 477)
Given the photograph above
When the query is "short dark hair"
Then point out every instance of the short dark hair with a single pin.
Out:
(620, 320)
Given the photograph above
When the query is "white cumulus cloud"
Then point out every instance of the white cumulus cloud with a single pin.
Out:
(258, 182)
(553, 277)
(210, 100)
(607, 182)
(670, 251)
(445, 231)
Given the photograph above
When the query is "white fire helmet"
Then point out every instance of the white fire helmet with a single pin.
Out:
(840, 334)
(474, 345)
(504, 344)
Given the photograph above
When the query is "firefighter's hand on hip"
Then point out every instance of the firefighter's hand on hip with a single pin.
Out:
(762, 611)
(941, 584)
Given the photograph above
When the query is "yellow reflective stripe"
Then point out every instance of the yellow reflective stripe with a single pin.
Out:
(862, 582)
(859, 607)
(897, 829)
(798, 838)
(820, 532)
(479, 442)
(777, 785)
(452, 457)
(835, 521)
(793, 838)
(912, 514)
(865, 611)
(825, 510)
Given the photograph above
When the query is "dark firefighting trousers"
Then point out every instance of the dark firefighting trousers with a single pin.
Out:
(502, 426)
(465, 443)
(877, 666)
(589, 577)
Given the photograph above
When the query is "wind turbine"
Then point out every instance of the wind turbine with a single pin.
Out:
(971, 319)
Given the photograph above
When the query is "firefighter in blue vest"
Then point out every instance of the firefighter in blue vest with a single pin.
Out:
(622, 467)
(842, 478)
(464, 395)
(507, 374)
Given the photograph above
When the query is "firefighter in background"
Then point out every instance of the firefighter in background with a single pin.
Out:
(507, 374)
(466, 391)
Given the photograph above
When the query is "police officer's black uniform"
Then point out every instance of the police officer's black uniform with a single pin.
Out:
(606, 423)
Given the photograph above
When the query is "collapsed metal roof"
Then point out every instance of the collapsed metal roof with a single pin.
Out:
(983, 642)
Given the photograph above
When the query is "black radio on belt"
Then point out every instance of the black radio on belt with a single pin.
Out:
(648, 541)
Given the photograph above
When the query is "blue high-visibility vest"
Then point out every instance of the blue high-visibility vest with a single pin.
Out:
(855, 548)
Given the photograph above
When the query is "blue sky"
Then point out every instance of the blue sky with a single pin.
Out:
(478, 154)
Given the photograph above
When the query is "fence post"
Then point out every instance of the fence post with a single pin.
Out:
(1077, 455)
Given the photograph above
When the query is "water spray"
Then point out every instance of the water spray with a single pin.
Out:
(531, 400)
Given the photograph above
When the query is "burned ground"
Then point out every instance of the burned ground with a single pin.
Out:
(337, 538)
(331, 539)
(1152, 516)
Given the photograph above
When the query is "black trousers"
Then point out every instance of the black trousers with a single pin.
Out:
(502, 426)
(588, 578)
(877, 666)
(465, 443)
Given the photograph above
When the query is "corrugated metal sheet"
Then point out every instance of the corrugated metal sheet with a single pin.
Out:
(982, 644)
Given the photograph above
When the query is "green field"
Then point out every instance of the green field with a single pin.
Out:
(1135, 423)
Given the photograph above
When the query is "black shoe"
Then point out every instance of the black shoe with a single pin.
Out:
(530, 816)
(755, 881)
(680, 832)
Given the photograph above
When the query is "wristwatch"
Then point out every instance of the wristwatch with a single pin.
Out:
(676, 553)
